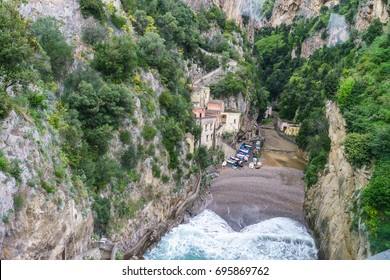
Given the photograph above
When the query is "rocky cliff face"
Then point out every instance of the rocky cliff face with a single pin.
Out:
(46, 213)
(329, 204)
(38, 223)
(371, 10)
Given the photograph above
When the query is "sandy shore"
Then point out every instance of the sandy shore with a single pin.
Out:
(245, 197)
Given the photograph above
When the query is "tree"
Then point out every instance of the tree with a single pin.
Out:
(151, 48)
(92, 8)
(49, 36)
(202, 157)
(16, 49)
(94, 33)
(375, 29)
(141, 21)
(116, 58)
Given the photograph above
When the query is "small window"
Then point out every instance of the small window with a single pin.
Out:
(207, 138)
(211, 137)
(234, 121)
(205, 127)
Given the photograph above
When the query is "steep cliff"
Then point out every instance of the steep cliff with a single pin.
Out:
(44, 213)
(371, 10)
(330, 204)
(48, 211)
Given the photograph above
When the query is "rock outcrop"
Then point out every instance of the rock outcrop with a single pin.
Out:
(311, 44)
(371, 10)
(329, 204)
(38, 223)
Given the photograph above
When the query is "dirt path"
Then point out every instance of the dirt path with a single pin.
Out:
(245, 197)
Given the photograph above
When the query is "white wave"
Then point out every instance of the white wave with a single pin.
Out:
(208, 236)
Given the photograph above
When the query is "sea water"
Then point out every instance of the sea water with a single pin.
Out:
(208, 237)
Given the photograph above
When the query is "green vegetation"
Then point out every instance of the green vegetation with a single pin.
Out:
(97, 101)
(16, 51)
(3, 162)
(149, 132)
(268, 6)
(46, 30)
(116, 58)
(18, 201)
(94, 33)
(92, 8)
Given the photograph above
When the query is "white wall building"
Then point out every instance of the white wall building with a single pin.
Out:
(231, 121)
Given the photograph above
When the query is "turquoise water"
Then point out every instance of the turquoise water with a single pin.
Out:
(208, 237)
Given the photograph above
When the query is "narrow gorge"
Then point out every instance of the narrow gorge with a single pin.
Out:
(115, 117)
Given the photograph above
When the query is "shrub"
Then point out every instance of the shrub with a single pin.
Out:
(94, 33)
(92, 8)
(37, 100)
(125, 137)
(151, 49)
(102, 209)
(358, 149)
(18, 201)
(15, 170)
(116, 58)
(156, 171)
(49, 188)
(165, 178)
(118, 20)
(149, 132)
(202, 157)
(129, 158)
(49, 36)
(3, 162)
(5, 105)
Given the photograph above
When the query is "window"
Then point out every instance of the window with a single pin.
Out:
(205, 127)
(207, 138)
(211, 137)
(234, 121)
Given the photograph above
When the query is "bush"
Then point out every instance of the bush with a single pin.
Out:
(49, 188)
(156, 171)
(116, 58)
(375, 29)
(49, 36)
(125, 137)
(92, 8)
(129, 158)
(3, 162)
(358, 149)
(102, 209)
(151, 49)
(165, 178)
(94, 33)
(118, 20)
(18, 201)
(376, 206)
(5, 105)
(202, 157)
(37, 100)
(15, 170)
(149, 132)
